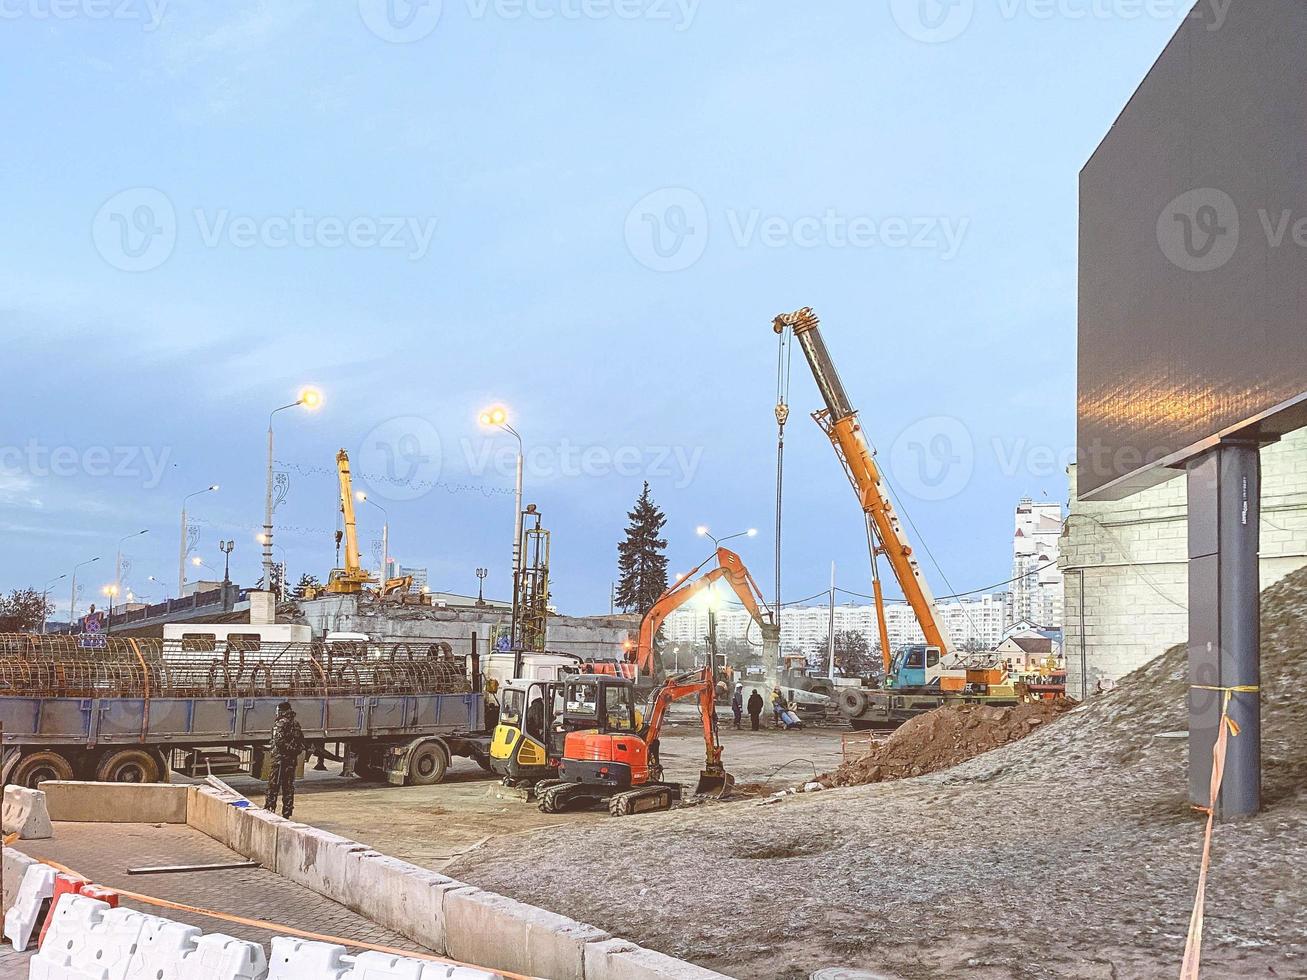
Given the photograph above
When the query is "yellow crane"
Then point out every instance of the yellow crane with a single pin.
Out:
(352, 579)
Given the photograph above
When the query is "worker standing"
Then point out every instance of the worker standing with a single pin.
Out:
(755, 709)
(287, 744)
(737, 706)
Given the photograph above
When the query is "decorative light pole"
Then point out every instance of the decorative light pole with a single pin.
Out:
(310, 398)
(182, 547)
(118, 567)
(481, 585)
(72, 605)
(497, 418)
(704, 532)
(382, 575)
(45, 600)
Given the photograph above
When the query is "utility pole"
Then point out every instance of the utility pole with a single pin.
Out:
(831, 627)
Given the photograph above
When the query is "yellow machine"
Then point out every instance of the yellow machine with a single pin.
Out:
(352, 579)
(520, 750)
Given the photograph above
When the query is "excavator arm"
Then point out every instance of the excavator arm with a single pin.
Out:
(699, 684)
(731, 568)
(840, 422)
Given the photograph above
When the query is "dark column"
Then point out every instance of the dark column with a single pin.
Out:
(1225, 488)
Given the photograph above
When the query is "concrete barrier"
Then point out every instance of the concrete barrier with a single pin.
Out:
(15, 868)
(25, 813)
(116, 802)
(616, 959)
(314, 858)
(504, 934)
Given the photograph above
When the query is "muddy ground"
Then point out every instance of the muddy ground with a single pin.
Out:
(1073, 853)
(432, 825)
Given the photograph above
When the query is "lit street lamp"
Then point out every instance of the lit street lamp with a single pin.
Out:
(310, 398)
(45, 599)
(497, 418)
(181, 548)
(166, 596)
(72, 605)
(118, 567)
(704, 532)
(110, 592)
(382, 576)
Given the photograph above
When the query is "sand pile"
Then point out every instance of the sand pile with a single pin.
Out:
(943, 738)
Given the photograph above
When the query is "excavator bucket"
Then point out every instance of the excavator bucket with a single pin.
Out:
(715, 782)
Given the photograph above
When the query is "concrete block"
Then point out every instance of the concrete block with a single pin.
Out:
(25, 813)
(616, 959)
(116, 802)
(253, 833)
(503, 934)
(410, 900)
(314, 858)
(206, 811)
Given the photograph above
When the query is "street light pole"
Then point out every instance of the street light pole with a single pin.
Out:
(498, 418)
(45, 600)
(704, 532)
(311, 399)
(118, 566)
(181, 547)
(72, 605)
(385, 536)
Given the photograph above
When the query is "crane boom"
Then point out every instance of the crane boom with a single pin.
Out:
(840, 422)
(351, 579)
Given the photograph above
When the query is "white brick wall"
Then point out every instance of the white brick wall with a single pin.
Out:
(1131, 557)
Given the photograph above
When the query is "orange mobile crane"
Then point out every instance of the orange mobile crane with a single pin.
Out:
(924, 671)
(732, 569)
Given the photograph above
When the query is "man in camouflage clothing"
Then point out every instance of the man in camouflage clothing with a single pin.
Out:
(287, 744)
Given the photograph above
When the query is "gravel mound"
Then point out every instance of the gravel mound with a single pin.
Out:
(943, 738)
(1072, 853)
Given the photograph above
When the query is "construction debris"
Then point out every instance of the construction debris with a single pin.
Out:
(943, 738)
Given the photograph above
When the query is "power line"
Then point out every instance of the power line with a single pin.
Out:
(962, 595)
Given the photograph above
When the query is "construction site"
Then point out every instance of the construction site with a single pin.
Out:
(372, 775)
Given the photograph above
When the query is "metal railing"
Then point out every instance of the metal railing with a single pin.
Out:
(59, 667)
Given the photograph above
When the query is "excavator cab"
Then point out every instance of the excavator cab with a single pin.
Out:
(524, 750)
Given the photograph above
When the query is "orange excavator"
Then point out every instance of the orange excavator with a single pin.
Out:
(731, 568)
(610, 754)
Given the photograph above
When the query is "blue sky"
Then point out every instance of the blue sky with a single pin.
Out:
(589, 212)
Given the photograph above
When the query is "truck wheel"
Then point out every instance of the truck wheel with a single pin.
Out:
(428, 765)
(853, 702)
(129, 766)
(41, 767)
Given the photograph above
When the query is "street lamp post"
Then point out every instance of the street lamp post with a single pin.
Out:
(181, 547)
(72, 605)
(118, 566)
(111, 591)
(704, 532)
(45, 600)
(311, 399)
(385, 536)
(498, 418)
(166, 596)
(481, 585)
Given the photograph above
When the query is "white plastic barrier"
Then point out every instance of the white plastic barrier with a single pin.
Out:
(293, 959)
(25, 813)
(37, 889)
(162, 949)
(220, 957)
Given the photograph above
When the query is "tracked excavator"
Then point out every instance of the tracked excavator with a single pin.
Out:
(922, 677)
(610, 754)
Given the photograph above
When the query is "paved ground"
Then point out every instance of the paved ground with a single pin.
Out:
(432, 826)
(104, 852)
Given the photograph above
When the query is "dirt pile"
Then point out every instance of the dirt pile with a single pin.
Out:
(943, 738)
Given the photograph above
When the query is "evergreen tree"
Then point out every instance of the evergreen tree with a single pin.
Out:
(306, 583)
(641, 558)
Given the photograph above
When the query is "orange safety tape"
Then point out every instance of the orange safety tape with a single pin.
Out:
(1193, 950)
(283, 930)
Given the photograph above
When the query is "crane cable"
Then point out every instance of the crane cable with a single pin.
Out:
(784, 361)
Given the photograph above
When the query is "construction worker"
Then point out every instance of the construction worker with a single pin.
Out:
(737, 705)
(778, 707)
(755, 709)
(287, 744)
